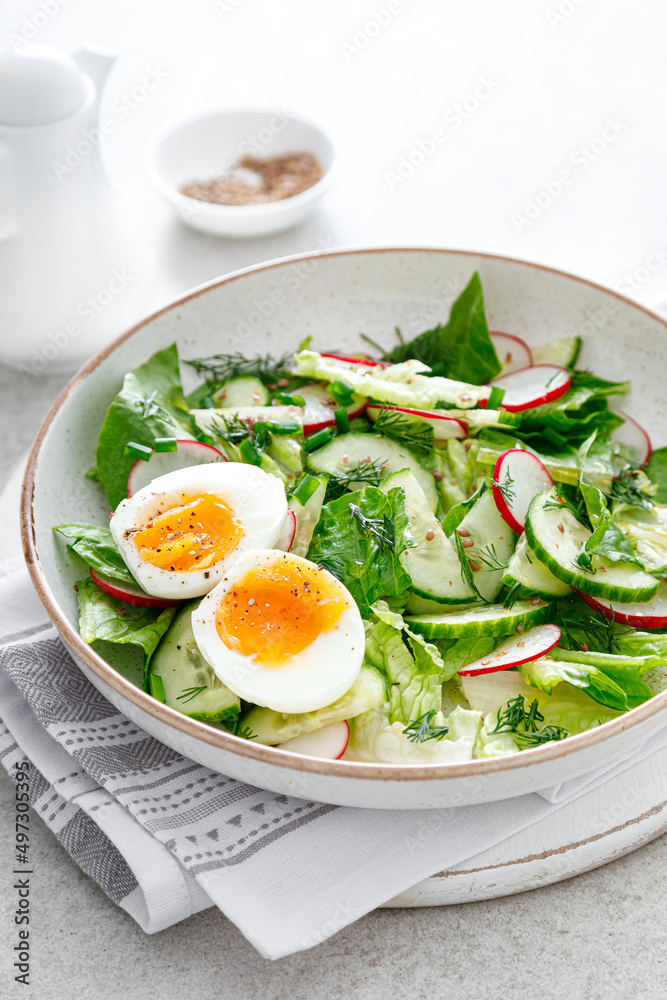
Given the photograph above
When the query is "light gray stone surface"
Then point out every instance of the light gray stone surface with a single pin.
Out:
(595, 937)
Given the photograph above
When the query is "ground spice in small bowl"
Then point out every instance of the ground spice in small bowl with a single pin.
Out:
(255, 182)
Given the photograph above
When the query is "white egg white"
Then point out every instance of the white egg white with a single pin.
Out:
(317, 676)
(256, 498)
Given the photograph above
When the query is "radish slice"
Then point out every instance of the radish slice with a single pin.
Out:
(129, 593)
(532, 386)
(320, 408)
(518, 476)
(444, 427)
(187, 453)
(343, 359)
(513, 352)
(633, 438)
(329, 743)
(520, 648)
(647, 614)
(284, 543)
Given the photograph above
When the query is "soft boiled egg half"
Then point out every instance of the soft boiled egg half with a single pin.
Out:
(281, 632)
(179, 534)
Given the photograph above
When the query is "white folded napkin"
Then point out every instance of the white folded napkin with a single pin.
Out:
(165, 837)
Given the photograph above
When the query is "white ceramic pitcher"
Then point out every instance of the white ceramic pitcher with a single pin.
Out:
(73, 271)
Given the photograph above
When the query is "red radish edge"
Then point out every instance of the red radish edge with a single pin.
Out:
(357, 361)
(504, 508)
(522, 345)
(140, 465)
(327, 418)
(129, 593)
(334, 739)
(516, 661)
(286, 539)
(547, 396)
(617, 434)
(426, 414)
(621, 617)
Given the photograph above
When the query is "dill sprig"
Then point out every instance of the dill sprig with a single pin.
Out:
(245, 732)
(489, 559)
(381, 529)
(507, 489)
(596, 627)
(231, 429)
(624, 487)
(222, 367)
(366, 473)
(422, 729)
(187, 694)
(522, 724)
(413, 434)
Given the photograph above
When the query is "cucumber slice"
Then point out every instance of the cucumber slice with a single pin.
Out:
(482, 620)
(525, 568)
(349, 450)
(190, 686)
(556, 537)
(563, 352)
(269, 727)
(493, 544)
(433, 564)
(245, 391)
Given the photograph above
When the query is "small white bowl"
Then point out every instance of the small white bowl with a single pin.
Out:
(204, 147)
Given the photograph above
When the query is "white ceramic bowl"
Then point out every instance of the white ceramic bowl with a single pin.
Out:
(334, 296)
(204, 147)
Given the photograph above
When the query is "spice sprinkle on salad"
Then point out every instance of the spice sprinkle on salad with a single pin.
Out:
(453, 548)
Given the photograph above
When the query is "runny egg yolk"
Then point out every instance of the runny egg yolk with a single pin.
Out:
(273, 612)
(199, 532)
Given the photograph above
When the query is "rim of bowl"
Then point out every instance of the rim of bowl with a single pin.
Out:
(235, 744)
(186, 203)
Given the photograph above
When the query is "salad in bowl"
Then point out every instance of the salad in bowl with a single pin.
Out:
(448, 549)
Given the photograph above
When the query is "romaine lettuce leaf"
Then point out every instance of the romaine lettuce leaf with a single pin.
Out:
(360, 538)
(461, 348)
(97, 548)
(545, 674)
(150, 405)
(102, 618)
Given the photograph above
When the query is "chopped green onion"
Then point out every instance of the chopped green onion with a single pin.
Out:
(207, 439)
(304, 491)
(284, 426)
(287, 400)
(496, 398)
(135, 450)
(249, 453)
(318, 439)
(342, 421)
(166, 444)
(341, 392)
(156, 687)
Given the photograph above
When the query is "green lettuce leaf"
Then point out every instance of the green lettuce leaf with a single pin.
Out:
(546, 673)
(657, 473)
(150, 405)
(102, 618)
(460, 349)
(97, 548)
(580, 410)
(646, 531)
(374, 738)
(360, 538)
